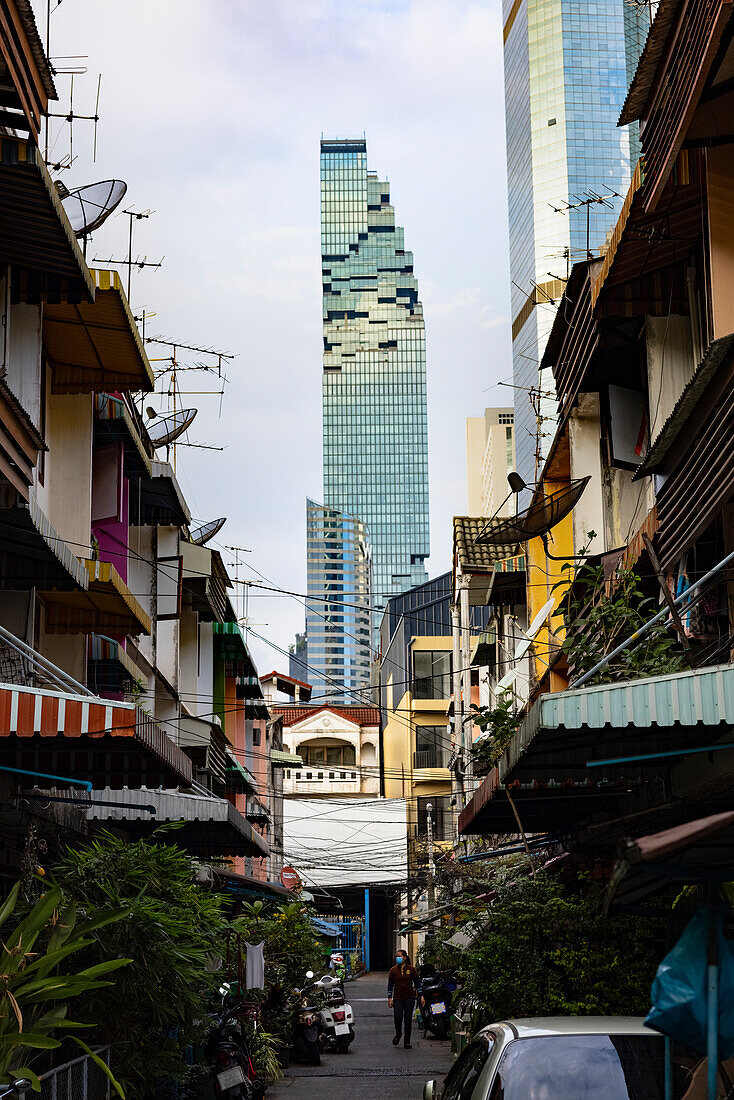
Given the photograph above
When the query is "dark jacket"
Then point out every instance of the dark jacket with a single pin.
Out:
(401, 982)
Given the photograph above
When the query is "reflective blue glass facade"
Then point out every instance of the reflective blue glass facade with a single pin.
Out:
(567, 67)
(375, 436)
(338, 626)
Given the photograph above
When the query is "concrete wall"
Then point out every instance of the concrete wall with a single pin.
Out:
(584, 435)
(24, 356)
(476, 439)
(670, 365)
(66, 493)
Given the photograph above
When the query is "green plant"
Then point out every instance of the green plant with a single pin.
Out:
(262, 1046)
(501, 723)
(171, 930)
(34, 986)
(599, 614)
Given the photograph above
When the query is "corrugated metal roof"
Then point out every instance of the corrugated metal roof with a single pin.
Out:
(652, 54)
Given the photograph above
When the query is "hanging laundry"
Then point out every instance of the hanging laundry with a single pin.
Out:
(255, 975)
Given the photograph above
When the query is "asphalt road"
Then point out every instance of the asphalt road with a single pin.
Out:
(373, 1067)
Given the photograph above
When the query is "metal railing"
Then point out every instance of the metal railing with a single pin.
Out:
(430, 758)
(79, 1079)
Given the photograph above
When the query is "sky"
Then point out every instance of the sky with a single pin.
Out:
(212, 111)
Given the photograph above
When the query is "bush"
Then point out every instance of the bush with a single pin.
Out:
(171, 930)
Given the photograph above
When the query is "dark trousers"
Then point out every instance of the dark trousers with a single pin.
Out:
(403, 1013)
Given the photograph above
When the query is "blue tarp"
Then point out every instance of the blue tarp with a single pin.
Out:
(324, 928)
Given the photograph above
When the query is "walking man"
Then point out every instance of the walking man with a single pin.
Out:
(401, 990)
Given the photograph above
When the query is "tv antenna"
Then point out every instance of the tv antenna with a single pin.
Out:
(71, 117)
(587, 199)
(130, 263)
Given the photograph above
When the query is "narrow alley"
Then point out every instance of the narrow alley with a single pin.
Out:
(372, 1063)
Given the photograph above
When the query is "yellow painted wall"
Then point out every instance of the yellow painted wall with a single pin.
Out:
(542, 575)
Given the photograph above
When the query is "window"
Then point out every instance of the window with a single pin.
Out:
(441, 824)
(432, 674)
(464, 1074)
(256, 735)
(319, 756)
(579, 1067)
(432, 747)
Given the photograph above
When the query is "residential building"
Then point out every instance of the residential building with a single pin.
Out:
(297, 660)
(338, 615)
(120, 705)
(339, 747)
(490, 455)
(375, 440)
(642, 352)
(567, 67)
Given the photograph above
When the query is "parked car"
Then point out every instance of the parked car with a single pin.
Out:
(575, 1058)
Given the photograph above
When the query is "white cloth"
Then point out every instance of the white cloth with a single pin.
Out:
(255, 978)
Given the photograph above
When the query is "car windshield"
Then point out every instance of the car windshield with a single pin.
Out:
(581, 1067)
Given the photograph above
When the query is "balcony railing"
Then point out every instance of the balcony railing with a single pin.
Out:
(430, 758)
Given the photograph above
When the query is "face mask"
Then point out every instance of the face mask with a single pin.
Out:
(399, 959)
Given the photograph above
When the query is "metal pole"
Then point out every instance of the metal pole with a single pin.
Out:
(456, 788)
(431, 888)
(679, 602)
(712, 1024)
(367, 927)
(668, 1068)
(668, 598)
(466, 725)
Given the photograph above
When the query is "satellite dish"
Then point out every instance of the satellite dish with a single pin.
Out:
(207, 531)
(538, 519)
(170, 427)
(506, 682)
(526, 642)
(87, 207)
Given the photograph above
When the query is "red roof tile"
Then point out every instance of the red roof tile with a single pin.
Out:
(293, 713)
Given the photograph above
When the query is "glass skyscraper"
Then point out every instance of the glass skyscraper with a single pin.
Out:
(567, 67)
(375, 435)
(338, 619)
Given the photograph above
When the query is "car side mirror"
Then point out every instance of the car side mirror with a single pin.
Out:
(429, 1090)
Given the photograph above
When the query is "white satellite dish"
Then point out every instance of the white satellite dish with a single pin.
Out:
(87, 207)
(506, 682)
(524, 644)
(170, 427)
(207, 531)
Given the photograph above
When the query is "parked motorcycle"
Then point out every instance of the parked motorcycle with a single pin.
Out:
(235, 1077)
(15, 1088)
(306, 1019)
(434, 999)
(337, 1016)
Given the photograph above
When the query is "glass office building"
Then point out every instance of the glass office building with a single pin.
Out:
(567, 67)
(375, 436)
(338, 620)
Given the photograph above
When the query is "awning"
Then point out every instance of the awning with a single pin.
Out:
(582, 752)
(20, 442)
(105, 742)
(325, 928)
(33, 553)
(110, 668)
(115, 423)
(96, 346)
(237, 771)
(35, 233)
(158, 499)
(245, 886)
(281, 759)
(106, 604)
(205, 582)
(206, 744)
(211, 826)
(255, 811)
(695, 851)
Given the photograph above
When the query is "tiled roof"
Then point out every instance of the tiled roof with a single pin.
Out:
(361, 716)
(473, 556)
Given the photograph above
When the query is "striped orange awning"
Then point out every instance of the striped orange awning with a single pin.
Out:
(106, 606)
(108, 740)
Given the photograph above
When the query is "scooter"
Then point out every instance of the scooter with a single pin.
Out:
(434, 998)
(306, 1018)
(337, 1016)
(235, 1076)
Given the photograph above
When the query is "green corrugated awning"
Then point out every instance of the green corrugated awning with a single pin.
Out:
(236, 768)
(583, 752)
(285, 759)
(483, 651)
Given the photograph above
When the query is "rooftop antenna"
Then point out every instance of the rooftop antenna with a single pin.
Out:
(587, 199)
(130, 263)
(71, 117)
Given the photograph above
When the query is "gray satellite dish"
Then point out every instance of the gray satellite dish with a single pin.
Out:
(207, 531)
(170, 427)
(87, 207)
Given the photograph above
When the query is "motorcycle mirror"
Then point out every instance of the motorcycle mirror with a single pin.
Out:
(309, 973)
(22, 1085)
(429, 1090)
(224, 988)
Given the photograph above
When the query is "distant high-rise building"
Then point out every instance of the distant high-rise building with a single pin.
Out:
(338, 619)
(297, 660)
(490, 455)
(567, 67)
(374, 370)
